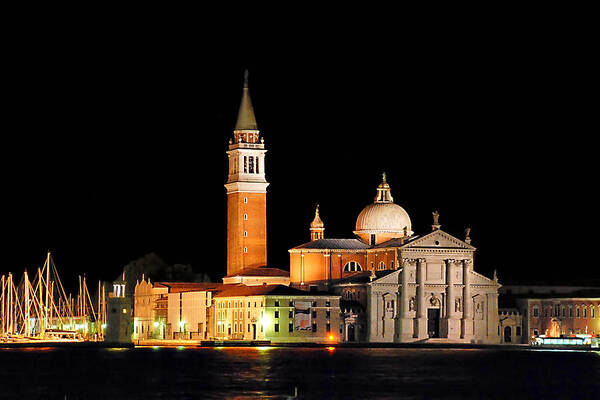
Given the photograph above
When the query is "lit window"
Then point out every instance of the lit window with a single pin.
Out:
(352, 266)
(381, 265)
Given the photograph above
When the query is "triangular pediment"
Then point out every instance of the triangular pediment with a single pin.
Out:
(440, 240)
(478, 279)
(393, 277)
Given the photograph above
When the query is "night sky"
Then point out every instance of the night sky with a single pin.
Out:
(114, 144)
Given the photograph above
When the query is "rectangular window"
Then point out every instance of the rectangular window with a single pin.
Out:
(328, 328)
(257, 164)
(245, 164)
(518, 331)
(276, 327)
(248, 314)
(314, 314)
(248, 328)
(328, 303)
(251, 162)
(314, 327)
(535, 312)
(314, 304)
(276, 303)
(290, 314)
(291, 327)
(291, 303)
(276, 314)
(327, 314)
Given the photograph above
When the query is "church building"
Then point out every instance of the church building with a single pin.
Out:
(397, 286)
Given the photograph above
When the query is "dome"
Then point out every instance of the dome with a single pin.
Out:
(383, 218)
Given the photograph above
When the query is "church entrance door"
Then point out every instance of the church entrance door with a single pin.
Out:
(253, 331)
(351, 337)
(507, 335)
(433, 322)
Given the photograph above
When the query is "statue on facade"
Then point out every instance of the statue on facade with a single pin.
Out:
(457, 304)
(411, 304)
(434, 301)
(436, 218)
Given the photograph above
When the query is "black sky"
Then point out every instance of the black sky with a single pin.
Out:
(114, 142)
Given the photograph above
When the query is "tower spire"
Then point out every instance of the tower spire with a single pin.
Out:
(246, 121)
(317, 227)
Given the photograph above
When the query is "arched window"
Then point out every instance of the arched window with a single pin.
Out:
(584, 311)
(577, 312)
(381, 266)
(592, 312)
(352, 266)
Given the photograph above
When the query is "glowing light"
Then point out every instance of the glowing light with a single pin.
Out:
(180, 347)
(156, 324)
(265, 320)
(263, 348)
(331, 349)
(181, 324)
(155, 347)
(331, 337)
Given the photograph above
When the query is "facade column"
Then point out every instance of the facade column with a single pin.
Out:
(452, 321)
(406, 323)
(421, 321)
(467, 302)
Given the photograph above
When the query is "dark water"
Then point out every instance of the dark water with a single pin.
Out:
(213, 373)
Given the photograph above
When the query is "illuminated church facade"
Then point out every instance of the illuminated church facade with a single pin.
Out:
(397, 286)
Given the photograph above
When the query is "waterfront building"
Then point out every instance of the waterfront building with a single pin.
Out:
(510, 326)
(419, 287)
(173, 310)
(119, 324)
(276, 313)
(555, 315)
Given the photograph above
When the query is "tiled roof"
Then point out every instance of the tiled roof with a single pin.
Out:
(394, 242)
(361, 277)
(266, 290)
(261, 271)
(346, 244)
(178, 287)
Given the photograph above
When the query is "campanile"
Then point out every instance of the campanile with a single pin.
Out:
(246, 192)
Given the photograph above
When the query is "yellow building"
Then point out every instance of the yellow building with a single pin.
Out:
(276, 313)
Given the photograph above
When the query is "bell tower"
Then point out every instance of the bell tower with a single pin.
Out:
(246, 192)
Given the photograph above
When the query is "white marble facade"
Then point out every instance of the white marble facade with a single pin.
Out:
(435, 294)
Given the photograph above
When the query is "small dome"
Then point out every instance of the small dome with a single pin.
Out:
(317, 223)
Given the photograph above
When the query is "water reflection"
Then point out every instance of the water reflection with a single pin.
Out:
(332, 372)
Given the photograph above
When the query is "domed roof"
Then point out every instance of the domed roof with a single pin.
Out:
(383, 216)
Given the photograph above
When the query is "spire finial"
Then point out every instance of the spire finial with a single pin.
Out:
(384, 180)
(245, 78)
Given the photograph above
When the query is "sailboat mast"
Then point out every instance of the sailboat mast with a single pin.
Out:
(26, 295)
(47, 304)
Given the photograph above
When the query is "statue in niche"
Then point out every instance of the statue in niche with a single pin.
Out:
(457, 304)
(411, 304)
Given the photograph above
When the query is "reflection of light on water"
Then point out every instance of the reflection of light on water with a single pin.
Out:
(155, 347)
(180, 347)
(117, 348)
(331, 349)
(263, 348)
